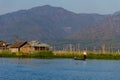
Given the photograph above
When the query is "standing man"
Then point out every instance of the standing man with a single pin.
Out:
(85, 55)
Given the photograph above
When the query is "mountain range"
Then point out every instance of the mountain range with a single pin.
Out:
(57, 25)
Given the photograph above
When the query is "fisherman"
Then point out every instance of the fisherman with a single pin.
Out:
(85, 55)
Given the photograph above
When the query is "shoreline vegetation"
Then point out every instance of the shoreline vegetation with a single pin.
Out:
(90, 55)
(61, 54)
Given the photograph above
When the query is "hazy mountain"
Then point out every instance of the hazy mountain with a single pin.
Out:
(107, 32)
(47, 23)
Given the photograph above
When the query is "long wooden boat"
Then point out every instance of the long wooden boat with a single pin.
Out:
(79, 59)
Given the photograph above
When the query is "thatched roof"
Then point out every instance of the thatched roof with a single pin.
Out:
(3, 43)
(18, 44)
(38, 44)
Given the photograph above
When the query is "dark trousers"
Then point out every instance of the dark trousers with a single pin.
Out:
(85, 57)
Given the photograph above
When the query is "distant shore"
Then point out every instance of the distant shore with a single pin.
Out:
(90, 55)
(61, 54)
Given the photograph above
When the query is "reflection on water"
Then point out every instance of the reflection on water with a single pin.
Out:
(58, 69)
(24, 61)
(14, 61)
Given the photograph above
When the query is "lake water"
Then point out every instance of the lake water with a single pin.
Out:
(58, 69)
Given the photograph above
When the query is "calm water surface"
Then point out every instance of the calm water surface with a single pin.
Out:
(58, 69)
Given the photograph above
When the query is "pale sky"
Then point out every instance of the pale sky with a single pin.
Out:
(77, 6)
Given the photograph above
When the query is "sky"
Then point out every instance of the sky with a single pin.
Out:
(77, 6)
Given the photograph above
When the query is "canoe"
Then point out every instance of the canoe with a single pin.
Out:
(79, 59)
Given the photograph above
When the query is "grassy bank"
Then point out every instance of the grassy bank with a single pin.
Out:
(36, 54)
(90, 55)
(110, 56)
(67, 54)
(60, 54)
